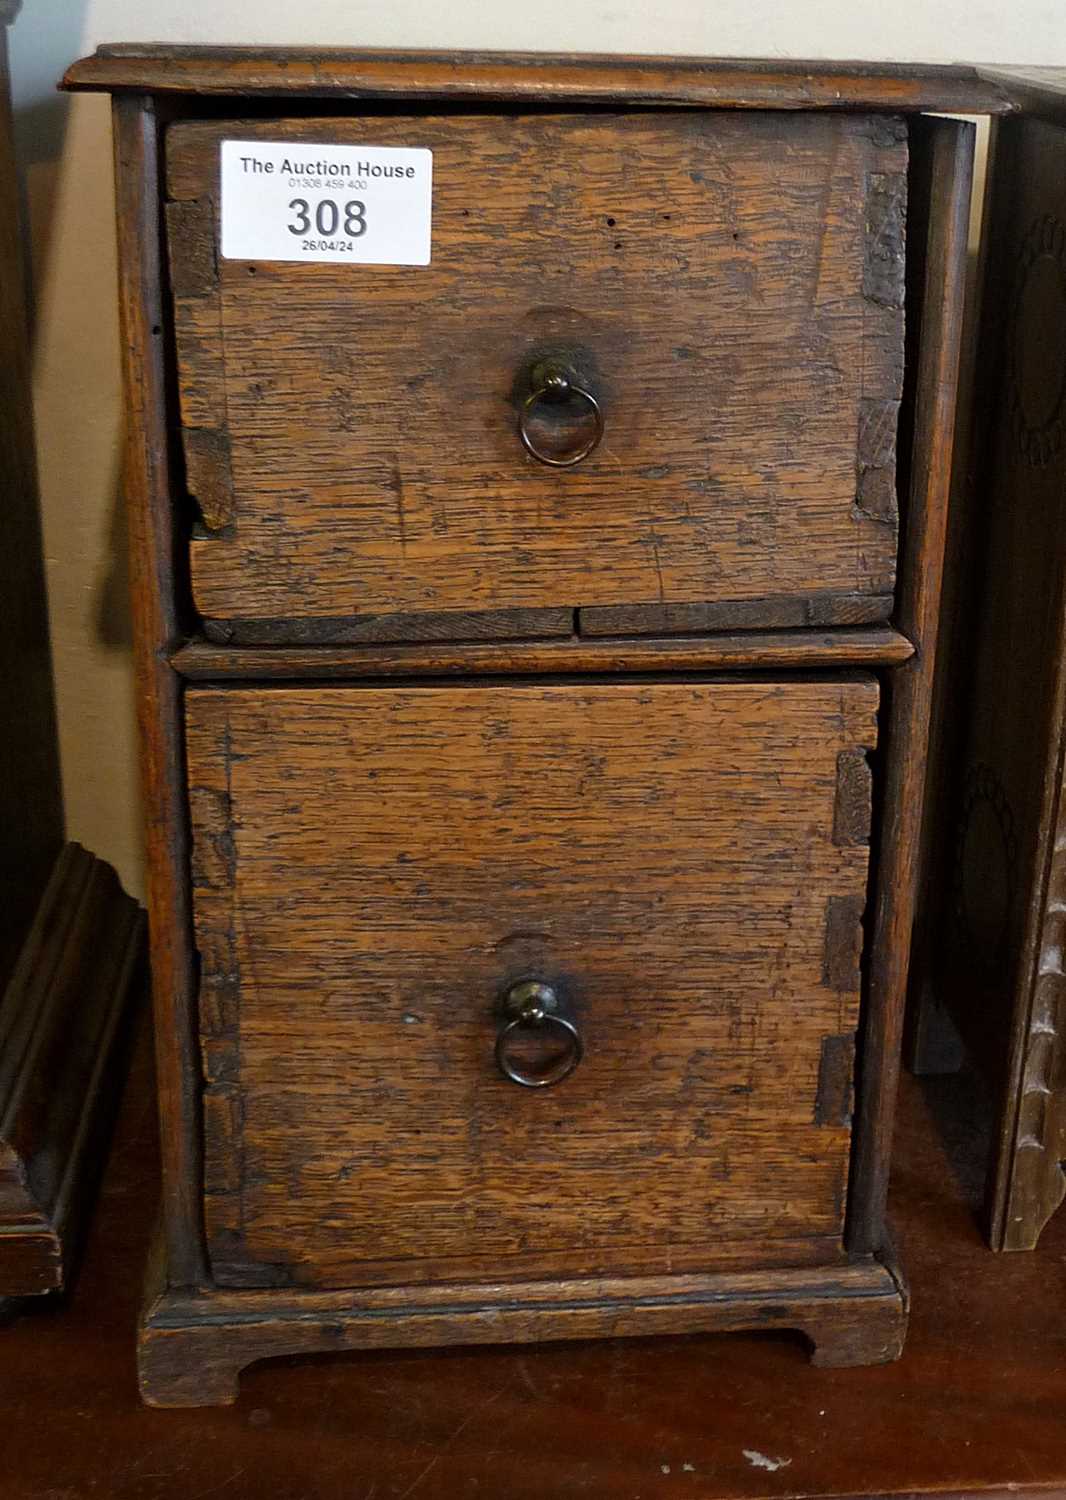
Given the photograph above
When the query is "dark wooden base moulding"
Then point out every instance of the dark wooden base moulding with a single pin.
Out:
(194, 1344)
(61, 1034)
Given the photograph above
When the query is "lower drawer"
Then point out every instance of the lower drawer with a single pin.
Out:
(681, 867)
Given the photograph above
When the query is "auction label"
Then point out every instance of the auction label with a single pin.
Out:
(368, 205)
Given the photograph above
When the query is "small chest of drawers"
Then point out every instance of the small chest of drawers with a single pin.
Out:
(535, 664)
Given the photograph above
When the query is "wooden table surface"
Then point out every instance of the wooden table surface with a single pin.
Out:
(977, 1404)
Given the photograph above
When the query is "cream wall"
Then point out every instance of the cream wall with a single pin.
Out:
(65, 151)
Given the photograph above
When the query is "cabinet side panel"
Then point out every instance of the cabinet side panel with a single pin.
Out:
(942, 152)
(153, 554)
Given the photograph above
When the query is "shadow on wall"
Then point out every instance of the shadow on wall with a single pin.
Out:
(40, 51)
(40, 55)
(113, 590)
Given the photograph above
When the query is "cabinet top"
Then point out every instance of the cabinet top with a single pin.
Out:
(544, 78)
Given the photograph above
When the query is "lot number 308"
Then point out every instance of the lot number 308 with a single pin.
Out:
(328, 217)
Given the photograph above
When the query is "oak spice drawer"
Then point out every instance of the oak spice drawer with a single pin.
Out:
(728, 287)
(578, 865)
(374, 869)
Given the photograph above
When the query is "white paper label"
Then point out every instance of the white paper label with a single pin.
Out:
(367, 205)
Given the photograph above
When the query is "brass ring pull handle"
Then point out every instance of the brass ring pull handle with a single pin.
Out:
(553, 384)
(534, 1007)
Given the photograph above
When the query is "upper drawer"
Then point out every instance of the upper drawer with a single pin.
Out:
(727, 286)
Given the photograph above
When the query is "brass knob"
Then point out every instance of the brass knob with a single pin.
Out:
(532, 1006)
(554, 384)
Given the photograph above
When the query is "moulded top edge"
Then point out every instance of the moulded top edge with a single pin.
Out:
(736, 83)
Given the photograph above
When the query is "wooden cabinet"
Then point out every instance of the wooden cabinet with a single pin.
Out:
(529, 664)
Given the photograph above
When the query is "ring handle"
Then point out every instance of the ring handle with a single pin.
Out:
(535, 1006)
(553, 383)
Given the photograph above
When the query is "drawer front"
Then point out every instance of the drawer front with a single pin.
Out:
(684, 864)
(729, 288)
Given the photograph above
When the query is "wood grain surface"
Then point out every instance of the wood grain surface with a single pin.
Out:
(373, 867)
(63, 1029)
(936, 271)
(751, 651)
(709, 83)
(190, 1355)
(158, 567)
(730, 287)
(348, 630)
(779, 612)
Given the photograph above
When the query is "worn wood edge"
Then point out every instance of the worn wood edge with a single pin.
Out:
(843, 952)
(30, 993)
(201, 661)
(910, 688)
(736, 83)
(818, 1250)
(125, 990)
(836, 1069)
(190, 228)
(31, 1249)
(192, 1347)
(156, 554)
(814, 611)
(853, 803)
(441, 625)
(881, 366)
(93, 970)
(1035, 91)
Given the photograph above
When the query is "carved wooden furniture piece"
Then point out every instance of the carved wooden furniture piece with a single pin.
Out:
(63, 1032)
(989, 957)
(470, 771)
